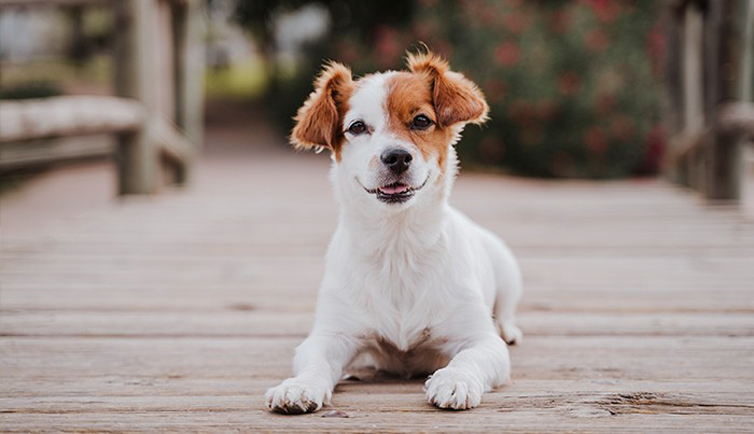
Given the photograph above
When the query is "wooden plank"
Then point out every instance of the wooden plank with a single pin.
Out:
(37, 3)
(738, 119)
(572, 381)
(640, 358)
(246, 320)
(47, 152)
(172, 144)
(66, 116)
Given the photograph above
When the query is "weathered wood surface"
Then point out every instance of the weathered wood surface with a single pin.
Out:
(177, 312)
(68, 115)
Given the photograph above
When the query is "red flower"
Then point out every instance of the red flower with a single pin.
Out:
(546, 110)
(508, 54)
(492, 148)
(596, 40)
(569, 83)
(623, 127)
(605, 103)
(521, 111)
(387, 46)
(655, 147)
(560, 21)
(495, 90)
(595, 139)
(656, 48)
(347, 51)
(488, 15)
(605, 10)
(516, 22)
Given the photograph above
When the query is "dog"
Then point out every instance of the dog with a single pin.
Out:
(411, 286)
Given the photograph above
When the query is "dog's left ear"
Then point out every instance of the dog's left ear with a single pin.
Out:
(455, 97)
(318, 121)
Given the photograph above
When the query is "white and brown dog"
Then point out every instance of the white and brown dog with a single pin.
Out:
(411, 285)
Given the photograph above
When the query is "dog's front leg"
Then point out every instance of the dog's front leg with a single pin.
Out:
(481, 365)
(317, 367)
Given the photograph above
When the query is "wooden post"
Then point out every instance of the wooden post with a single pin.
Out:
(137, 156)
(673, 23)
(693, 90)
(189, 75)
(747, 59)
(722, 37)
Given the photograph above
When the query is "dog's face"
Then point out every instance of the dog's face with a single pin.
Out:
(390, 133)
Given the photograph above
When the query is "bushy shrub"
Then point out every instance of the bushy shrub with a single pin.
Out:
(573, 86)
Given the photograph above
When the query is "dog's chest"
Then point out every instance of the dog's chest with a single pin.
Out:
(403, 301)
(400, 279)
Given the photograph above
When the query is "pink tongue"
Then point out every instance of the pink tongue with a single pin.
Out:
(400, 188)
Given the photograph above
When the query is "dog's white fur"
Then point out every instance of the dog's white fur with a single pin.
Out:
(412, 288)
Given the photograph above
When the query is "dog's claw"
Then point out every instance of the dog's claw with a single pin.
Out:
(453, 389)
(295, 397)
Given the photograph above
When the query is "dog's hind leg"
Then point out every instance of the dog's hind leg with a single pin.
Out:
(509, 286)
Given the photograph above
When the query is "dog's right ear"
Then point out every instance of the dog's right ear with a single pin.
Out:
(455, 97)
(318, 121)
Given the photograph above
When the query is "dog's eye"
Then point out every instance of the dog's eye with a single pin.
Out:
(357, 128)
(421, 122)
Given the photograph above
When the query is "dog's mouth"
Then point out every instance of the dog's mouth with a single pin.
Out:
(395, 192)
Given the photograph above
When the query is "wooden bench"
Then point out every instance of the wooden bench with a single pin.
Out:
(157, 113)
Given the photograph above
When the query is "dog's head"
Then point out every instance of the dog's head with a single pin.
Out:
(391, 134)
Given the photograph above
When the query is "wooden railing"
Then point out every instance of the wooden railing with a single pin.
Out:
(711, 115)
(157, 113)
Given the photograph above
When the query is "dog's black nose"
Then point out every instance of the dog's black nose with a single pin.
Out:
(397, 160)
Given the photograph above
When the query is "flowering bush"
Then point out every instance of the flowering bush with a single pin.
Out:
(573, 85)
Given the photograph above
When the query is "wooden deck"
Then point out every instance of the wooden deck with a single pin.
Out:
(176, 312)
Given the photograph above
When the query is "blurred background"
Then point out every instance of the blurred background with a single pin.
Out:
(577, 88)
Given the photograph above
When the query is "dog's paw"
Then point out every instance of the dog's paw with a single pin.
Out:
(511, 334)
(294, 396)
(453, 388)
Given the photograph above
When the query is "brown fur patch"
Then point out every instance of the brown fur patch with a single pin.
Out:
(456, 99)
(319, 122)
(409, 95)
(445, 97)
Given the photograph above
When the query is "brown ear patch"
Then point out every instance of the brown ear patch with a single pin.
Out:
(429, 63)
(410, 95)
(456, 99)
(319, 120)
